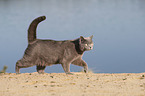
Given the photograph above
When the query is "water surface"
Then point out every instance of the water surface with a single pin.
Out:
(118, 27)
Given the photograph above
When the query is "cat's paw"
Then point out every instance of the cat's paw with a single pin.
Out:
(69, 73)
(18, 73)
(41, 72)
(86, 71)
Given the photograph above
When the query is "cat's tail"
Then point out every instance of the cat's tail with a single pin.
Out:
(32, 28)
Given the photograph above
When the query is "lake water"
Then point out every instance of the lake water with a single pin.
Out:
(118, 27)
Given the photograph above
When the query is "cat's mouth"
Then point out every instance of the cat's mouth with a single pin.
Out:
(90, 48)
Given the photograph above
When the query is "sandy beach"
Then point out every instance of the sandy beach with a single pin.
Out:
(79, 84)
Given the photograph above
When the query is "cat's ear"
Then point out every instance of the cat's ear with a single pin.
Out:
(81, 39)
(91, 36)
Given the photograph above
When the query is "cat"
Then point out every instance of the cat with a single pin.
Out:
(44, 53)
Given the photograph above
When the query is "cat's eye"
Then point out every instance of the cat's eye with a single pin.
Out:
(86, 44)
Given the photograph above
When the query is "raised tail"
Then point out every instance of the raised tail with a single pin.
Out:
(32, 28)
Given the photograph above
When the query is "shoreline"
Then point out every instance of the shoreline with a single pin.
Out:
(79, 84)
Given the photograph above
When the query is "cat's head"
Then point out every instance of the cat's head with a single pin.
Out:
(86, 43)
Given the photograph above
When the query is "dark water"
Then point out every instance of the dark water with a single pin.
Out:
(118, 27)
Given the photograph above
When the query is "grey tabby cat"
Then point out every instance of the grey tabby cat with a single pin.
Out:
(44, 53)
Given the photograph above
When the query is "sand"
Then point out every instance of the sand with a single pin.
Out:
(79, 84)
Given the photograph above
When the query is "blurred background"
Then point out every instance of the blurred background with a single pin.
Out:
(118, 27)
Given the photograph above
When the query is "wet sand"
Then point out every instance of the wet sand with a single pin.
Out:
(79, 84)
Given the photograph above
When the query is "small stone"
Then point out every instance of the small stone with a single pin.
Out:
(52, 85)
(45, 85)
(125, 79)
(52, 82)
(51, 76)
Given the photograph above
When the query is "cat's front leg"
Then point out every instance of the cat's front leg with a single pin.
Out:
(66, 68)
(82, 63)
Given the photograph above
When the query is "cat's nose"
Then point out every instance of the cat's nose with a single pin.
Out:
(91, 47)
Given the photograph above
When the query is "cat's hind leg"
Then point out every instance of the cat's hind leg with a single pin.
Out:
(22, 64)
(40, 69)
(17, 68)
